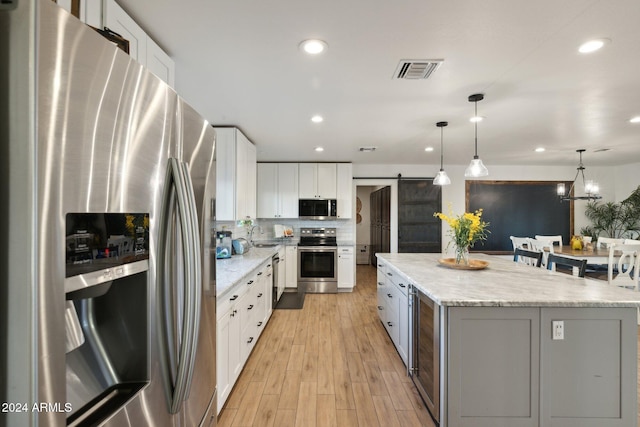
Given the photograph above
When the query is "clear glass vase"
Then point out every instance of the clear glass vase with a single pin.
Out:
(462, 255)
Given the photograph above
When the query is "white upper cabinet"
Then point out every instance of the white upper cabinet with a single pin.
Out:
(160, 64)
(235, 175)
(277, 190)
(141, 47)
(317, 181)
(117, 20)
(344, 189)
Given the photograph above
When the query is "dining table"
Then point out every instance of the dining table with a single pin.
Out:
(597, 256)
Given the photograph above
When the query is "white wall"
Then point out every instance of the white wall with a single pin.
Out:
(363, 230)
(615, 183)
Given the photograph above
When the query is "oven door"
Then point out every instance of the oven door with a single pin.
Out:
(317, 268)
(424, 363)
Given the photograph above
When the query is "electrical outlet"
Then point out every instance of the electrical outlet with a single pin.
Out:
(557, 329)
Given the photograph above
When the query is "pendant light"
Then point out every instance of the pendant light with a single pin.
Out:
(441, 178)
(591, 188)
(476, 168)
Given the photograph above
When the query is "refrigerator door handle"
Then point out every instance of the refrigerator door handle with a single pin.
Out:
(178, 366)
(196, 284)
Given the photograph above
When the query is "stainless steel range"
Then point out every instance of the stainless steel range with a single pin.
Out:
(318, 260)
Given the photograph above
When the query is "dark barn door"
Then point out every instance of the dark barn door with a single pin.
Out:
(380, 236)
(418, 229)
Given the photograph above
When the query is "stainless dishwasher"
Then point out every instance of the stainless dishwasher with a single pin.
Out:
(424, 349)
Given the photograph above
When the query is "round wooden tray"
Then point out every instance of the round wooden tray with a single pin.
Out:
(474, 264)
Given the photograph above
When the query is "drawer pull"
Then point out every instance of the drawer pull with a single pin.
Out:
(379, 307)
(268, 265)
(250, 307)
(235, 297)
(259, 323)
(402, 285)
(390, 296)
(249, 282)
(235, 311)
(250, 340)
(260, 273)
(389, 274)
(260, 295)
(390, 324)
(380, 265)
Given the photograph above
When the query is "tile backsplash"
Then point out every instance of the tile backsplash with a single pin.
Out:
(344, 228)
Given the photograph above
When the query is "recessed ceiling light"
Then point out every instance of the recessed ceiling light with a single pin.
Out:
(317, 119)
(476, 119)
(319, 149)
(313, 46)
(592, 45)
(428, 149)
(635, 119)
(540, 150)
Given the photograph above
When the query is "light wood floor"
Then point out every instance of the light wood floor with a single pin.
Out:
(329, 364)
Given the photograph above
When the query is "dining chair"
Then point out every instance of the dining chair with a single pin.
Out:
(552, 239)
(527, 257)
(558, 260)
(519, 242)
(605, 242)
(543, 246)
(628, 266)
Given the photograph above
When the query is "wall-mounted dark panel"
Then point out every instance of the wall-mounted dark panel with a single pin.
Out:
(519, 208)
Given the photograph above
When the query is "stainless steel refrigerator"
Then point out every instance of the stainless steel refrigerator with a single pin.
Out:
(108, 290)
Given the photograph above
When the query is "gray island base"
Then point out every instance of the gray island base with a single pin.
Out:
(523, 346)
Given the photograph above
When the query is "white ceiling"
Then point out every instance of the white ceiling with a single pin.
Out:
(238, 63)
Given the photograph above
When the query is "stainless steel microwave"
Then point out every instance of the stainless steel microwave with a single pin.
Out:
(317, 209)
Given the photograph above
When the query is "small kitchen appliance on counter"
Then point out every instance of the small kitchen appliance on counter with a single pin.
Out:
(240, 246)
(223, 244)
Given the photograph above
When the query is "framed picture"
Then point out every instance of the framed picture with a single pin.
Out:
(114, 38)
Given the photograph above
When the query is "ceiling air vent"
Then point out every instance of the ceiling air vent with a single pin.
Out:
(416, 69)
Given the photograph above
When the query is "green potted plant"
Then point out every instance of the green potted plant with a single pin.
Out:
(616, 220)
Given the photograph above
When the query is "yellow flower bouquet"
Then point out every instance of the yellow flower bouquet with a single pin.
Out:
(465, 230)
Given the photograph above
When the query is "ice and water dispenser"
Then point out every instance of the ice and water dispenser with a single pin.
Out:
(107, 263)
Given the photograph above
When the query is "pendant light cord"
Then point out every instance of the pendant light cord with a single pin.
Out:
(475, 123)
(441, 149)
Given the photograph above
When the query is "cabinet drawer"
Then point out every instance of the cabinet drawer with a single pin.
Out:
(226, 302)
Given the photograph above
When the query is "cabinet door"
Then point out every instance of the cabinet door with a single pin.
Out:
(226, 185)
(382, 297)
(308, 180)
(160, 64)
(494, 367)
(268, 180)
(403, 327)
(242, 178)
(251, 171)
(288, 190)
(345, 267)
(118, 21)
(91, 13)
(223, 370)
(291, 266)
(326, 180)
(235, 350)
(344, 190)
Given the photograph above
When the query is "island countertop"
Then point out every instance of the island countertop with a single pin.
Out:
(505, 283)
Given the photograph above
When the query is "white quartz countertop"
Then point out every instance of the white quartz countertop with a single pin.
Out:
(506, 283)
(230, 271)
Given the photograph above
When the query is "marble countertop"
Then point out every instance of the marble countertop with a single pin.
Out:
(506, 283)
(230, 271)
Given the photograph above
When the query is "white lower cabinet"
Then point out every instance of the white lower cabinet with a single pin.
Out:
(242, 316)
(393, 307)
(291, 267)
(346, 267)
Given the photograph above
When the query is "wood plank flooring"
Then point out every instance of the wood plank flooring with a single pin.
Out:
(329, 364)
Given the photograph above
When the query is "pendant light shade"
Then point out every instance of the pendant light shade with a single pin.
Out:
(476, 168)
(441, 178)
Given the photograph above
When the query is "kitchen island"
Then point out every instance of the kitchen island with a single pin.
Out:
(513, 345)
